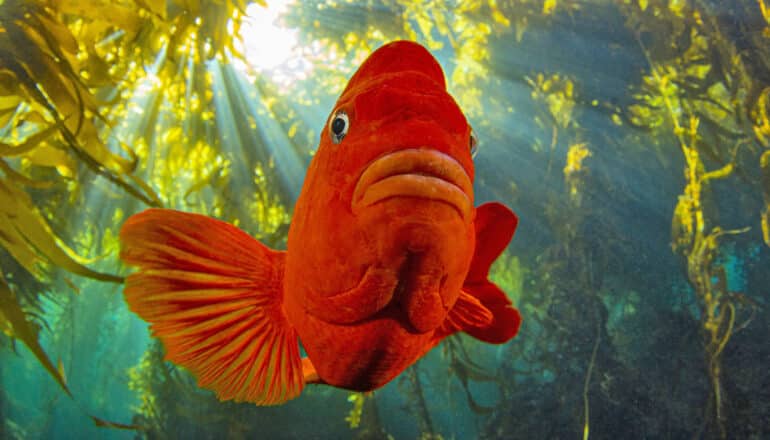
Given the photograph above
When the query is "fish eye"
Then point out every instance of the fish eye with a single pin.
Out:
(474, 144)
(338, 126)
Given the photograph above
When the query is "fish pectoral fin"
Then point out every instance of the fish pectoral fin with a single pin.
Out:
(483, 310)
(495, 225)
(309, 372)
(504, 319)
(468, 312)
(212, 295)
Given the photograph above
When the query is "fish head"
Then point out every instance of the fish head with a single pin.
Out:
(387, 203)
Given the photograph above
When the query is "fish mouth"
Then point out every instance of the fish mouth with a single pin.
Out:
(415, 172)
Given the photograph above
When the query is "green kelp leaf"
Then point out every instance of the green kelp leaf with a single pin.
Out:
(102, 423)
(29, 144)
(466, 371)
(8, 101)
(51, 155)
(6, 114)
(12, 316)
(14, 243)
(14, 323)
(39, 62)
(125, 17)
(88, 147)
(57, 34)
(155, 7)
(21, 179)
(27, 236)
(98, 71)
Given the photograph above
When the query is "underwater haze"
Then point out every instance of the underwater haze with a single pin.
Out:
(631, 138)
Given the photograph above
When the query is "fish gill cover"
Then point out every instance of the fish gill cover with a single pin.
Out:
(632, 137)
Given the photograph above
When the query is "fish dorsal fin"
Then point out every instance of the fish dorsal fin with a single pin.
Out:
(483, 310)
(212, 295)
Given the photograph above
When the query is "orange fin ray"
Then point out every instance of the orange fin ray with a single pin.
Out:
(468, 312)
(309, 371)
(212, 294)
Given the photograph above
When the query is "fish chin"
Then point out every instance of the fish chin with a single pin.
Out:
(410, 174)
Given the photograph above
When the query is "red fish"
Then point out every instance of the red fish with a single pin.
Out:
(386, 253)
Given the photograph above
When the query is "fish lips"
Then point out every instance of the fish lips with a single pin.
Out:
(415, 172)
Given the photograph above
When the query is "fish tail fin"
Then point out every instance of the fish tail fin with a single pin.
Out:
(483, 310)
(212, 294)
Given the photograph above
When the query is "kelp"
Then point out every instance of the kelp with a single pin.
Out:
(25, 235)
(412, 384)
(557, 114)
(147, 24)
(16, 324)
(466, 370)
(51, 119)
(64, 69)
(354, 416)
(719, 307)
(39, 69)
(693, 93)
(765, 164)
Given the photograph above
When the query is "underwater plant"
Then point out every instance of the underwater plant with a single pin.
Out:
(632, 135)
(50, 129)
(65, 72)
(690, 93)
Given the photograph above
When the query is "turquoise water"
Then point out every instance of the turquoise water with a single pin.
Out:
(631, 138)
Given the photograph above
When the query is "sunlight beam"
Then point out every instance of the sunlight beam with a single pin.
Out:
(267, 46)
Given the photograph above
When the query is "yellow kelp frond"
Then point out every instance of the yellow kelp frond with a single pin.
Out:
(659, 92)
(699, 96)
(558, 93)
(266, 209)
(683, 224)
(549, 6)
(207, 168)
(25, 234)
(574, 170)
(354, 416)
(175, 19)
(142, 378)
(46, 94)
(765, 9)
(13, 320)
(575, 156)
(764, 163)
(472, 57)
(761, 117)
